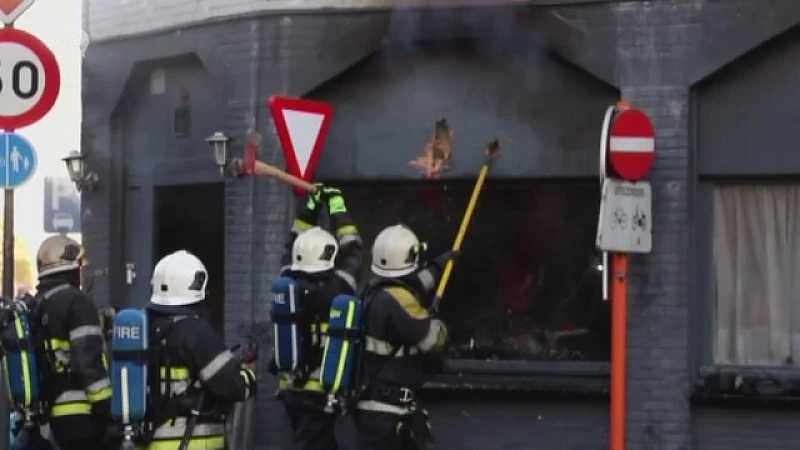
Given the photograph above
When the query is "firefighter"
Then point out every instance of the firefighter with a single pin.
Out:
(324, 266)
(400, 335)
(69, 323)
(195, 369)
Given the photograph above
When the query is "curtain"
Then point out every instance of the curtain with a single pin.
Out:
(757, 274)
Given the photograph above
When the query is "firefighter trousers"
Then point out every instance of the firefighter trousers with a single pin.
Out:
(312, 428)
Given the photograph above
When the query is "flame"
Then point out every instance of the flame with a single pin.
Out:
(435, 158)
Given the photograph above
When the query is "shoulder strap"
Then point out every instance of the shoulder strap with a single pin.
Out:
(49, 293)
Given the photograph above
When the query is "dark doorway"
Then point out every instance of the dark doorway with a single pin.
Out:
(192, 217)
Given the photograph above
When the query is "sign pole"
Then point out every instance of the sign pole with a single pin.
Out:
(624, 227)
(8, 244)
(603, 167)
(619, 340)
(20, 105)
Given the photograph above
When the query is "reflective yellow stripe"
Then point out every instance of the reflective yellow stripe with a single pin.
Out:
(310, 385)
(323, 327)
(100, 395)
(351, 315)
(336, 205)
(26, 375)
(302, 225)
(70, 409)
(59, 344)
(209, 443)
(346, 229)
(175, 373)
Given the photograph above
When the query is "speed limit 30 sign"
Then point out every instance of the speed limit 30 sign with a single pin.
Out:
(30, 79)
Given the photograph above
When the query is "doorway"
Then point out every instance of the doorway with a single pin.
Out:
(191, 217)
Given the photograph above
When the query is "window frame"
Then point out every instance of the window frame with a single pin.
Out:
(711, 380)
(548, 376)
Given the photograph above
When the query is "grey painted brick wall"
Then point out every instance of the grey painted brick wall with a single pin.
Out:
(659, 49)
(652, 40)
(114, 19)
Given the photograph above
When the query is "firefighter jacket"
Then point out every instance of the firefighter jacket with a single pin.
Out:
(193, 369)
(319, 289)
(77, 371)
(400, 332)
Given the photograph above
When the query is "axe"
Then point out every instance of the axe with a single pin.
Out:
(262, 168)
(252, 166)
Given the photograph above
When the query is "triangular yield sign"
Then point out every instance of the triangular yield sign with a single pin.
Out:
(10, 10)
(302, 126)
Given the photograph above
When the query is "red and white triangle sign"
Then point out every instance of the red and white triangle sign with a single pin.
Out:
(302, 126)
(10, 10)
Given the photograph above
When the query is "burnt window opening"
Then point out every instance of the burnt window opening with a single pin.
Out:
(182, 122)
(526, 284)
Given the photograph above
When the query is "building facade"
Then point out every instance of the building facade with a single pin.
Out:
(714, 312)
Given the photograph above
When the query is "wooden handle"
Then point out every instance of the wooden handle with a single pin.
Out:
(263, 168)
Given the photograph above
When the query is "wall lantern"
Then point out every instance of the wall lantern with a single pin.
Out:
(76, 167)
(219, 145)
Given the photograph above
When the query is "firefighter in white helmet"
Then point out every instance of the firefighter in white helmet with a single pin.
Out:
(400, 334)
(194, 363)
(323, 265)
(69, 325)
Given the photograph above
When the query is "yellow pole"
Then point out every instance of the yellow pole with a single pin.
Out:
(491, 151)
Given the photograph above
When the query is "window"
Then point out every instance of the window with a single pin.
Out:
(182, 121)
(756, 243)
(526, 286)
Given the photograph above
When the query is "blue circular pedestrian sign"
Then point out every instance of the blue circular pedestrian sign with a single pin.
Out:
(17, 160)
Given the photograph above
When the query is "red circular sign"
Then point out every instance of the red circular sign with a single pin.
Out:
(631, 144)
(30, 79)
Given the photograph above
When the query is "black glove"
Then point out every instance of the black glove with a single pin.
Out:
(441, 260)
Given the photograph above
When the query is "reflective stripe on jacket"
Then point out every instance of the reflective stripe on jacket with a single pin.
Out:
(70, 325)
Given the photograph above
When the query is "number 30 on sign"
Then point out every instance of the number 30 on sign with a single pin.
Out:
(30, 79)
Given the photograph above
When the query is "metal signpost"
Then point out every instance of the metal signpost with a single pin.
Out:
(30, 81)
(627, 144)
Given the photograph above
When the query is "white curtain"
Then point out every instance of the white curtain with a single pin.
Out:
(757, 274)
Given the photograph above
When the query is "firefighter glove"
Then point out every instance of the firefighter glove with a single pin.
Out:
(250, 381)
(441, 260)
(332, 196)
(308, 211)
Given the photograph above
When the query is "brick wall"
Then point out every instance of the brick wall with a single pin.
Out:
(131, 17)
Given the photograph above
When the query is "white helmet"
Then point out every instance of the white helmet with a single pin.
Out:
(179, 279)
(314, 250)
(395, 252)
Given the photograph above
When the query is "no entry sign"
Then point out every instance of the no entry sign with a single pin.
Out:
(631, 145)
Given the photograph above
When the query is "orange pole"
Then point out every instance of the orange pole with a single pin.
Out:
(619, 338)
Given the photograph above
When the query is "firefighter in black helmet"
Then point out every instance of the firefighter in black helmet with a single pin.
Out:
(69, 325)
(194, 371)
(400, 335)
